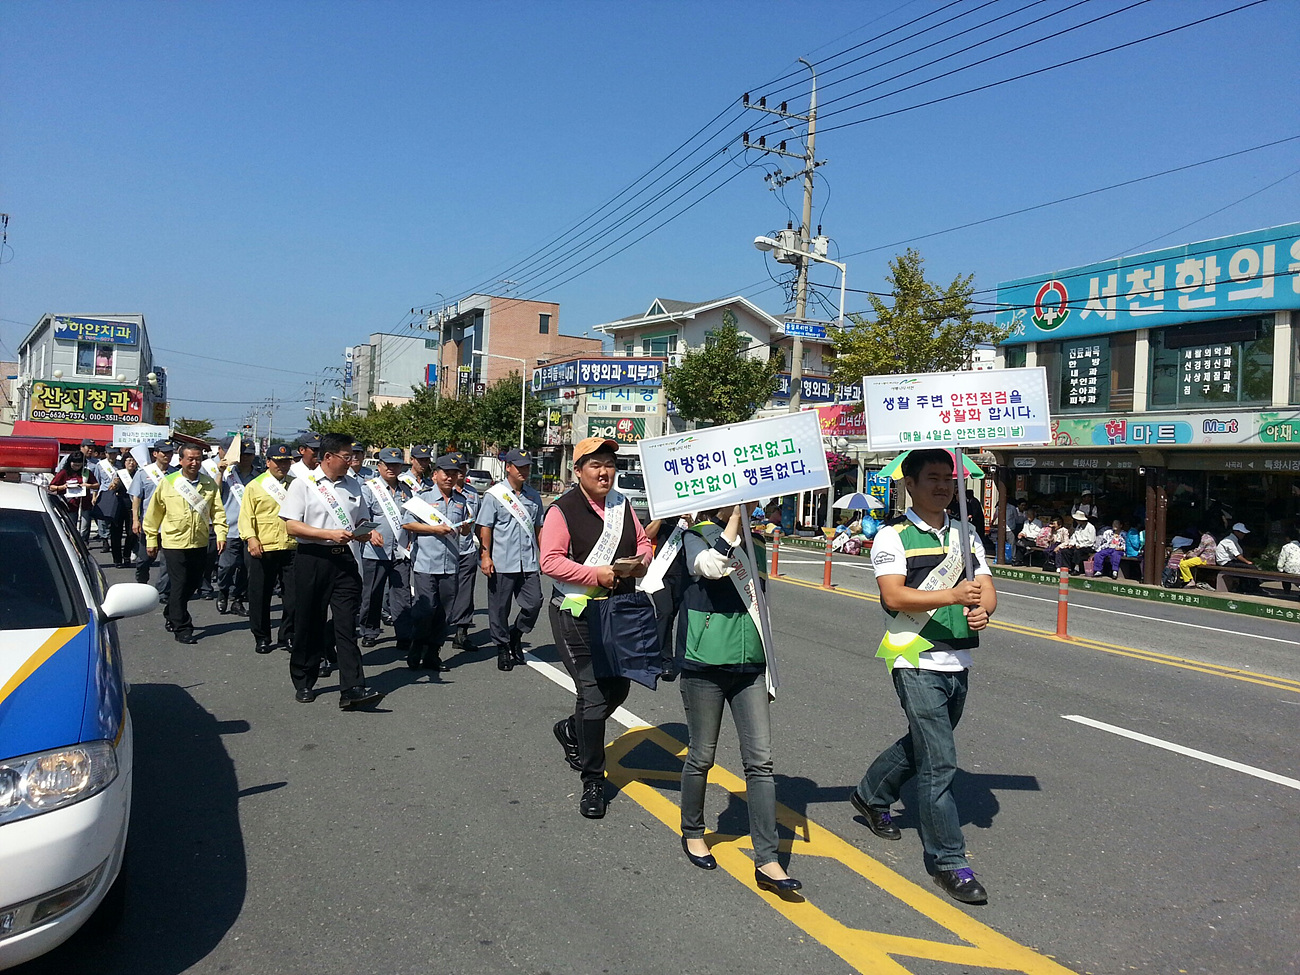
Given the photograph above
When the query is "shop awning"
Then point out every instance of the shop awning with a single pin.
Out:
(65, 433)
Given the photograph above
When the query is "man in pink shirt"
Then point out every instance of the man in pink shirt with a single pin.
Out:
(591, 545)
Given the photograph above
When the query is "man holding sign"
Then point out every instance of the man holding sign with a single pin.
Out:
(935, 613)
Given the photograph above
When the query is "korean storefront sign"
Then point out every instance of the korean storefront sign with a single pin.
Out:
(814, 390)
(1165, 430)
(946, 409)
(1085, 373)
(628, 371)
(97, 330)
(842, 420)
(85, 403)
(623, 399)
(1224, 277)
(1208, 370)
(623, 430)
(737, 463)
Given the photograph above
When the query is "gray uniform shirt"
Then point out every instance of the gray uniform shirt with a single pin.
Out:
(473, 500)
(440, 554)
(143, 487)
(514, 548)
(230, 501)
(400, 495)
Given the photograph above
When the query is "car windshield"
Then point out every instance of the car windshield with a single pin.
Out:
(631, 482)
(480, 475)
(35, 590)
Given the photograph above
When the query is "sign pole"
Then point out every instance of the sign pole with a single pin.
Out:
(959, 472)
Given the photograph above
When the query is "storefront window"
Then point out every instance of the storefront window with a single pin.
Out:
(1205, 363)
(1015, 355)
(1078, 374)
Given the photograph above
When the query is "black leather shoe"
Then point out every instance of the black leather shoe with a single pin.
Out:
(592, 803)
(413, 654)
(326, 668)
(517, 647)
(878, 820)
(223, 604)
(460, 640)
(359, 697)
(263, 646)
(238, 608)
(168, 624)
(434, 662)
(564, 734)
(304, 695)
(505, 659)
(187, 637)
(368, 641)
(786, 886)
(706, 862)
(961, 885)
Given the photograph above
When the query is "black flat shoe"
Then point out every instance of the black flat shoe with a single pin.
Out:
(961, 885)
(326, 668)
(879, 821)
(304, 695)
(592, 803)
(517, 647)
(785, 886)
(263, 646)
(186, 638)
(359, 697)
(368, 641)
(505, 659)
(563, 731)
(706, 862)
(435, 663)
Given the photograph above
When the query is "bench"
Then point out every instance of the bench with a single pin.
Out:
(1220, 574)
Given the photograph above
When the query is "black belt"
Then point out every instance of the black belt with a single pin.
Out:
(312, 548)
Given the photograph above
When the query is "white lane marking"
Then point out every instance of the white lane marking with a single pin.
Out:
(1258, 773)
(1152, 619)
(623, 716)
(852, 565)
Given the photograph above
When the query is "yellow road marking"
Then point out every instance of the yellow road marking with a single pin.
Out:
(43, 653)
(870, 952)
(1151, 656)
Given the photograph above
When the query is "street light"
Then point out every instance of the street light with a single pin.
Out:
(767, 244)
(523, 387)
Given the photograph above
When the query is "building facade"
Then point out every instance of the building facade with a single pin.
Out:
(81, 375)
(388, 368)
(1174, 377)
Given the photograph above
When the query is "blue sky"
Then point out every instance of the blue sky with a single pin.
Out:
(269, 182)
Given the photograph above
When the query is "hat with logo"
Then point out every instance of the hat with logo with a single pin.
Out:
(312, 440)
(162, 445)
(1239, 527)
(279, 452)
(461, 459)
(518, 458)
(247, 447)
(447, 462)
(590, 445)
(358, 447)
(421, 452)
(392, 456)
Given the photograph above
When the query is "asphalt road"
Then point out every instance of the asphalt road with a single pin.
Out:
(440, 833)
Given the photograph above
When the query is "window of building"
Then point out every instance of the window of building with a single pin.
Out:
(629, 348)
(1015, 356)
(659, 344)
(543, 324)
(1207, 363)
(1078, 374)
(94, 360)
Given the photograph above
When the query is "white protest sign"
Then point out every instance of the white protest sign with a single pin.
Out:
(734, 464)
(130, 434)
(990, 408)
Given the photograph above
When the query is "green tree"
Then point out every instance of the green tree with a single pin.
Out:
(191, 427)
(498, 414)
(456, 424)
(924, 329)
(387, 426)
(720, 383)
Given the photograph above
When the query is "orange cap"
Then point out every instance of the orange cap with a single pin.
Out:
(590, 445)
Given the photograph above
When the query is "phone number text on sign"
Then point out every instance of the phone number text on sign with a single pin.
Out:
(742, 462)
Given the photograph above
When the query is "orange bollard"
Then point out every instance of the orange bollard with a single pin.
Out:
(776, 554)
(1063, 605)
(826, 572)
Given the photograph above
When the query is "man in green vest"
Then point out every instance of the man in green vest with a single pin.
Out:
(934, 615)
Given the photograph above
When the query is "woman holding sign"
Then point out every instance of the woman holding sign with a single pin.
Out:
(72, 484)
(722, 661)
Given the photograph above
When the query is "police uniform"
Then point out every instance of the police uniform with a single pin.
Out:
(259, 518)
(326, 583)
(461, 614)
(142, 487)
(386, 570)
(232, 574)
(508, 521)
(300, 470)
(182, 515)
(434, 574)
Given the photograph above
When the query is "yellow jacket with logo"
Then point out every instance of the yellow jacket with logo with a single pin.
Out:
(259, 516)
(171, 518)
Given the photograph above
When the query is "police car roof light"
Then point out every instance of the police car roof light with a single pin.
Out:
(36, 455)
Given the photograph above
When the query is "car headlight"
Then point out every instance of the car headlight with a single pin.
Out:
(39, 783)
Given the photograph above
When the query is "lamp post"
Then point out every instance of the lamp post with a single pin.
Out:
(523, 388)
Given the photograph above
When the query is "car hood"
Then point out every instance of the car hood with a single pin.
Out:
(44, 679)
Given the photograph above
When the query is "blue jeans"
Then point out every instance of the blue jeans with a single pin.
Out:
(703, 695)
(933, 702)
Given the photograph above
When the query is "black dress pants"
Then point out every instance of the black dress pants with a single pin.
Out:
(598, 697)
(185, 568)
(326, 583)
(263, 574)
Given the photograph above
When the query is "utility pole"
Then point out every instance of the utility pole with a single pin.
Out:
(810, 164)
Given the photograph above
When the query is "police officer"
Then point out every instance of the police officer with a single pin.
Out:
(142, 488)
(508, 522)
(309, 463)
(323, 514)
(386, 569)
(420, 477)
(184, 509)
(232, 575)
(268, 549)
(461, 614)
(437, 557)
(358, 458)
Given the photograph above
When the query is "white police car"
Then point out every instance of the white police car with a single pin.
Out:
(65, 733)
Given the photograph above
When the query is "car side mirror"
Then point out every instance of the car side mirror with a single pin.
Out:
(128, 599)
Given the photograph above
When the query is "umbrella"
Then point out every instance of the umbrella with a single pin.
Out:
(894, 468)
(861, 502)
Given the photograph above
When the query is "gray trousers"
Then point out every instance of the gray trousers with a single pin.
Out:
(143, 564)
(461, 610)
(232, 572)
(525, 590)
(434, 595)
(386, 583)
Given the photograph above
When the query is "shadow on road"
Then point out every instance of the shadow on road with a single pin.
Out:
(187, 872)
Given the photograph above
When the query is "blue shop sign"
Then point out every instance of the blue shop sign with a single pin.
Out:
(814, 390)
(632, 371)
(805, 330)
(1220, 278)
(97, 330)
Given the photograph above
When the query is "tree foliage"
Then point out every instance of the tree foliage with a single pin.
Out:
(924, 328)
(191, 427)
(720, 383)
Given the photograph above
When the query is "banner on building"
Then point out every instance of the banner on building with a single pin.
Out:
(996, 407)
(610, 371)
(815, 390)
(623, 429)
(734, 464)
(97, 330)
(85, 403)
(842, 420)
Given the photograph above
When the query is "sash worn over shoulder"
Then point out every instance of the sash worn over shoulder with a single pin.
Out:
(391, 515)
(903, 633)
(336, 510)
(602, 553)
(274, 489)
(154, 473)
(193, 497)
(105, 474)
(653, 580)
(236, 484)
(740, 571)
(510, 501)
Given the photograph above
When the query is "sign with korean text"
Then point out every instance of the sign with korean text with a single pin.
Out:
(612, 371)
(842, 420)
(623, 399)
(623, 430)
(946, 409)
(1085, 374)
(141, 433)
(734, 464)
(877, 485)
(805, 330)
(1226, 427)
(815, 390)
(85, 403)
(97, 330)
(1220, 278)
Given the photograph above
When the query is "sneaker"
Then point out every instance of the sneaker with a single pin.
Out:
(961, 885)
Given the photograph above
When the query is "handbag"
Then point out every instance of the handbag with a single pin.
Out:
(624, 637)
